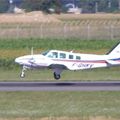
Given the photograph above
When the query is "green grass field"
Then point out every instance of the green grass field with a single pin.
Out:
(65, 44)
(11, 48)
(59, 104)
(47, 75)
(56, 105)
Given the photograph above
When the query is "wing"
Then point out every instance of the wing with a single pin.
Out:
(58, 66)
(57, 69)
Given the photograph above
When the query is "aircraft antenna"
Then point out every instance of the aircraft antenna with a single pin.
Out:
(32, 51)
(71, 51)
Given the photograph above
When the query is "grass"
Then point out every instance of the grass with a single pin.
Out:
(65, 44)
(47, 75)
(12, 48)
(59, 104)
(90, 19)
(98, 17)
(87, 26)
(55, 105)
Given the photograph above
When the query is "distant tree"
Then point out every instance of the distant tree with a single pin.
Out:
(56, 4)
(31, 5)
(99, 5)
(3, 5)
(44, 5)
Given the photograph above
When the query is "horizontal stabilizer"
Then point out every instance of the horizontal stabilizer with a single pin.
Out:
(112, 62)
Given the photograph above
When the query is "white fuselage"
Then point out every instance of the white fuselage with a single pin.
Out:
(60, 60)
(72, 61)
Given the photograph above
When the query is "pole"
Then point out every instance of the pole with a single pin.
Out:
(119, 4)
(109, 3)
(11, 7)
(96, 7)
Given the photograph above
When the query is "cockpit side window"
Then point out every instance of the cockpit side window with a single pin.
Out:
(53, 55)
(50, 55)
(62, 55)
(45, 53)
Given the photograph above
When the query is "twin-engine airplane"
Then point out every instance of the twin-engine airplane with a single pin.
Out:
(61, 60)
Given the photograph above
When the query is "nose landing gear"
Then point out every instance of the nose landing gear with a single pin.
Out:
(22, 75)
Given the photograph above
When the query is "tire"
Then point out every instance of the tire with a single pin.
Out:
(56, 76)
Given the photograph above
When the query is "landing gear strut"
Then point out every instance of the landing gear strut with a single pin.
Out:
(22, 75)
(57, 76)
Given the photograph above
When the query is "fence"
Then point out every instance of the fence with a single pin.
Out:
(61, 30)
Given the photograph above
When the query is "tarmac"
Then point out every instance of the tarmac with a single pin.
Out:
(61, 86)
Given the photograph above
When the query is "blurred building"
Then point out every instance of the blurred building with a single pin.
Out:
(71, 6)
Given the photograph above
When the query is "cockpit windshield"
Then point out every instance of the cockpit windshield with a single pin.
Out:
(45, 53)
(50, 54)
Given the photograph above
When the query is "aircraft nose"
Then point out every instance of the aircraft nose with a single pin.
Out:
(17, 60)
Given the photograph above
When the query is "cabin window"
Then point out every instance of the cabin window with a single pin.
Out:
(78, 58)
(70, 56)
(55, 55)
(62, 55)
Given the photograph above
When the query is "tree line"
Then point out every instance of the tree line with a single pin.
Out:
(88, 6)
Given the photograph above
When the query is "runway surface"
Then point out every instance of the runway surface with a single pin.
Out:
(61, 86)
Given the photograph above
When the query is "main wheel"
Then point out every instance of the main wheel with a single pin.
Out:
(56, 76)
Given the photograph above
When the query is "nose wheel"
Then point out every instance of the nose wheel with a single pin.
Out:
(22, 75)
(57, 76)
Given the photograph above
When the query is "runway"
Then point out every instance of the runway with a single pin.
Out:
(61, 86)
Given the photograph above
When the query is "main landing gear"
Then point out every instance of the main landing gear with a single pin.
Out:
(57, 73)
(57, 76)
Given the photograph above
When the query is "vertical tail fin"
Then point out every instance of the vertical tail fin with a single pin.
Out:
(115, 50)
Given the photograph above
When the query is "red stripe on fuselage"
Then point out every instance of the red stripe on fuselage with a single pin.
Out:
(85, 61)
